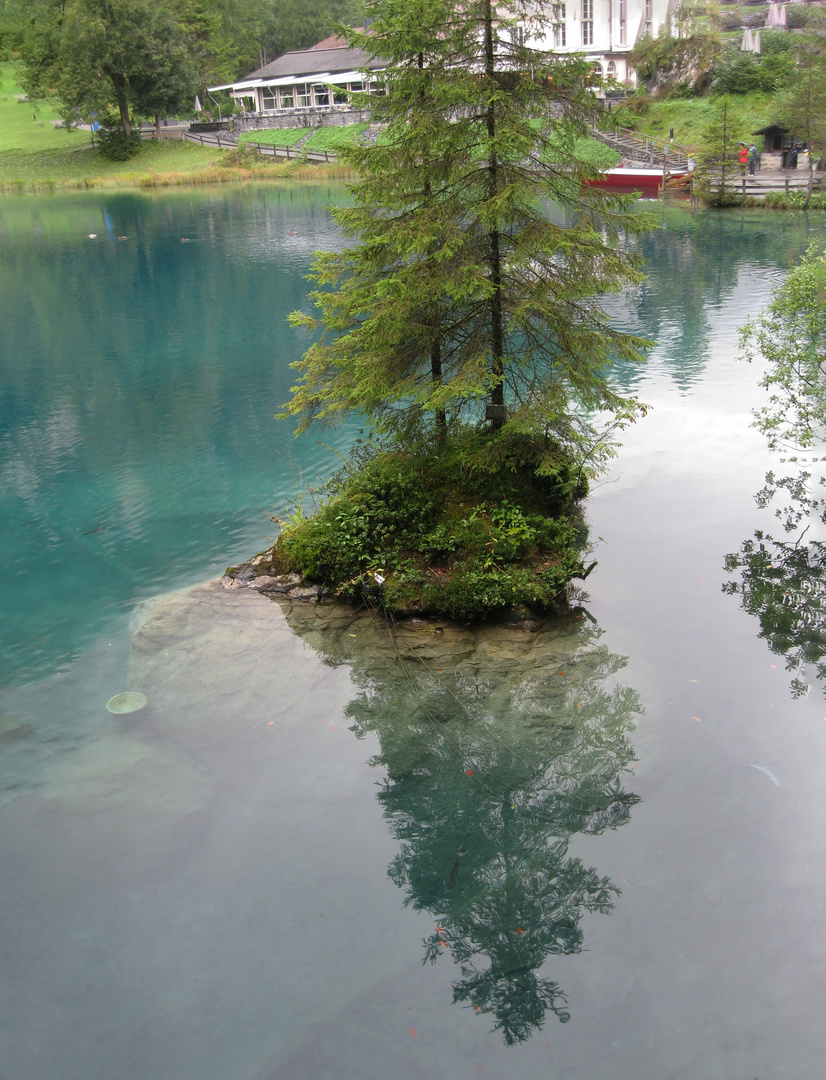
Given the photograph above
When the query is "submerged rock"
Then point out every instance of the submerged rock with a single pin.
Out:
(11, 729)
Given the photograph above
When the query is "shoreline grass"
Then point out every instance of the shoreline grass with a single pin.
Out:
(216, 175)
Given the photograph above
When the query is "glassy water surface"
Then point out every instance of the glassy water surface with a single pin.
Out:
(325, 849)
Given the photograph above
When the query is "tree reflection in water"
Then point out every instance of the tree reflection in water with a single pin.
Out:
(783, 582)
(499, 746)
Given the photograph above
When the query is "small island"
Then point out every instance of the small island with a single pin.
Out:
(462, 324)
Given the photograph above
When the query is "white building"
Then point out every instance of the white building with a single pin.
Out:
(315, 82)
(306, 82)
(605, 31)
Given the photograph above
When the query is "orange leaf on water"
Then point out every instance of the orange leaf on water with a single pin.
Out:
(468, 772)
(413, 1033)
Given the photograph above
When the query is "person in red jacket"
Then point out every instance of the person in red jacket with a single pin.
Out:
(743, 157)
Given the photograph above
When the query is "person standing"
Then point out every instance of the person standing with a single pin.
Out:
(743, 157)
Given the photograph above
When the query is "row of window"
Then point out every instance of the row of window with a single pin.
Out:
(560, 30)
(307, 95)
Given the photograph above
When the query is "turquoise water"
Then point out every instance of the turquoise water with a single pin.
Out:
(328, 850)
(139, 381)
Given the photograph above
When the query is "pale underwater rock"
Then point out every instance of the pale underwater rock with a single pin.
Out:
(11, 729)
(117, 775)
(218, 662)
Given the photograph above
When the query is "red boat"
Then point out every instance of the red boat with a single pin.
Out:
(637, 179)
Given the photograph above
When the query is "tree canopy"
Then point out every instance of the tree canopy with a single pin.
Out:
(478, 255)
(139, 57)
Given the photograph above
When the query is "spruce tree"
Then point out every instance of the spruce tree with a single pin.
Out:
(478, 256)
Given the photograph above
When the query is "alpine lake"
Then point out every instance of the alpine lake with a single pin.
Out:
(328, 849)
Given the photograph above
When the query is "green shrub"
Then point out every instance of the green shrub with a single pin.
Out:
(116, 145)
(742, 72)
(798, 16)
(462, 530)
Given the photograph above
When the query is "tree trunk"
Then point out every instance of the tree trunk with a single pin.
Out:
(158, 134)
(497, 336)
(436, 353)
(436, 378)
(119, 84)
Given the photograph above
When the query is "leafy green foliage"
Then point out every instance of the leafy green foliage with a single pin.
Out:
(742, 72)
(791, 336)
(116, 145)
(165, 50)
(98, 55)
(799, 16)
(450, 533)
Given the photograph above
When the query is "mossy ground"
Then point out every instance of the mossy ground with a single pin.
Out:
(464, 531)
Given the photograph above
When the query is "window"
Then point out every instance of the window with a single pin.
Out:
(303, 96)
(648, 23)
(587, 22)
(560, 37)
(597, 71)
(269, 101)
(612, 70)
(321, 95)
(622, 21)
(286, 98)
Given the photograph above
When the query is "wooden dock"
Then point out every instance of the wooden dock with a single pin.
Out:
(764, 182)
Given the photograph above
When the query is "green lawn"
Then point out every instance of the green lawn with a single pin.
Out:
(274, 136)
(333, 138)
(34, 151)
(323, 138)
(29, 126)
(690, 116)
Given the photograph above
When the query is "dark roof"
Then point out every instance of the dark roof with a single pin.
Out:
(315, 61)
(771, 127)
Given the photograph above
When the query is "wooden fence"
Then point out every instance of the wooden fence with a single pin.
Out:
(264, 149)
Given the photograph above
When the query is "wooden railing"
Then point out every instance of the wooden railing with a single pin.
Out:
(264, 149)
